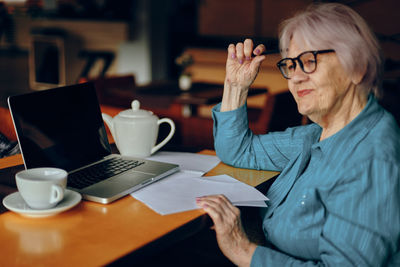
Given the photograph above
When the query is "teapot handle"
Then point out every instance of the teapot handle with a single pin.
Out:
(109, 121)
(169, 136)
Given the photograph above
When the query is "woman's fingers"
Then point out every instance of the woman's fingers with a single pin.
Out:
(218, 202)
(259, 49)
(248, 48)
(259, 58)
(231, 52)
(219, 208)
(217, 215)
(240, 52)
(256, 62)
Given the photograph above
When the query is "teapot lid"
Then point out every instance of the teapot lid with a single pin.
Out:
(135, 111)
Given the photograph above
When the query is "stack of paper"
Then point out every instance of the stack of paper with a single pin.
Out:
(178, 192)
(188, 162)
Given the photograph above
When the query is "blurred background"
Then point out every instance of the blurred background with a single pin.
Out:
(48, 43)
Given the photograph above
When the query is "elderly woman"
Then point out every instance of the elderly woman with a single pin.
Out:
(337, 199)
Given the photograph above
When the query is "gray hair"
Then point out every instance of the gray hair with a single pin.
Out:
(336, 26)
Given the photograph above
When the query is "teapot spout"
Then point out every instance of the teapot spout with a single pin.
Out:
(108, 120)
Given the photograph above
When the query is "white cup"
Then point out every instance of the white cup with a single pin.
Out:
(42, 188)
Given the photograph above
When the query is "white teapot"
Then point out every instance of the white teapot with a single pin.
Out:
(135, 131)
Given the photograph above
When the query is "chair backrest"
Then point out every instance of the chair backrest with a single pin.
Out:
(6, 124)
(278, 112)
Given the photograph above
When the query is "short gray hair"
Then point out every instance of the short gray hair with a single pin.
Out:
(336, 26)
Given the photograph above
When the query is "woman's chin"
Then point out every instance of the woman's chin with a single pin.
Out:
(304, 110)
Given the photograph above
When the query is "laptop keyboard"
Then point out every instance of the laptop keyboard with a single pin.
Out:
(100, 171)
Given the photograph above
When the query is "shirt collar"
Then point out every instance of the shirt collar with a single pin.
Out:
(356, 129)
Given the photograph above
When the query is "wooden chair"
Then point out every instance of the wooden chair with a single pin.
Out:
(278, 113)
(6, 124)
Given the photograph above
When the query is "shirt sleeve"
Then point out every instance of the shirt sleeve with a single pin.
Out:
(236, 145)
(362, 223)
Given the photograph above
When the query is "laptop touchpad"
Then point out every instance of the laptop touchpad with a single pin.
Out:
(117, 184)
(130, 178)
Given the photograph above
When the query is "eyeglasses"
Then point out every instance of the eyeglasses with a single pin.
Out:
(307, 61)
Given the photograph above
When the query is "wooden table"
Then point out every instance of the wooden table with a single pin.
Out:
(93, 234)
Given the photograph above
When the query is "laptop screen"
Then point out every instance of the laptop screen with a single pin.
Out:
(60, 127)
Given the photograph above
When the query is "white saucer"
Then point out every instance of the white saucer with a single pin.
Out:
(14, 202)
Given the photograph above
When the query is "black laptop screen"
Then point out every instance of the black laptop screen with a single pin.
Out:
(60, 127)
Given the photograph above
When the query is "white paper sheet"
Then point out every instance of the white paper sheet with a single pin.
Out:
(178, 192)
(189, 162)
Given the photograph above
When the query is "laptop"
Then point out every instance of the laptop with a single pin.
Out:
(63, 128)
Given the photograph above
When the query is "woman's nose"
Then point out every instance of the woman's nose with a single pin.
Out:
(299, 75)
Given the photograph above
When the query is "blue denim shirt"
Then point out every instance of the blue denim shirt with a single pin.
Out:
(336, 202)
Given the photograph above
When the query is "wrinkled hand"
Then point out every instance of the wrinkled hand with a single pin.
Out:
(241, 71)
(241, 67)
(232, 239)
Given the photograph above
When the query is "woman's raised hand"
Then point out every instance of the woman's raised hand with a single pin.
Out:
(241, 71)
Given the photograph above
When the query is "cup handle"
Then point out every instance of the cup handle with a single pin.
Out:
(169, 136)
(57, 194)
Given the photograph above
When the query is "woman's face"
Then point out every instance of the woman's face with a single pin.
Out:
(321, 93)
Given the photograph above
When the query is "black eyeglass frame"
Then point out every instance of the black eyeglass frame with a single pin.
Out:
(315, 53)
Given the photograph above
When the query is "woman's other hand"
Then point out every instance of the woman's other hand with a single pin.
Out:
(241, 71)
(231, 238)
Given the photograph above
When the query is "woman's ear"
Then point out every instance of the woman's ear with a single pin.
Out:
(359, 76)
